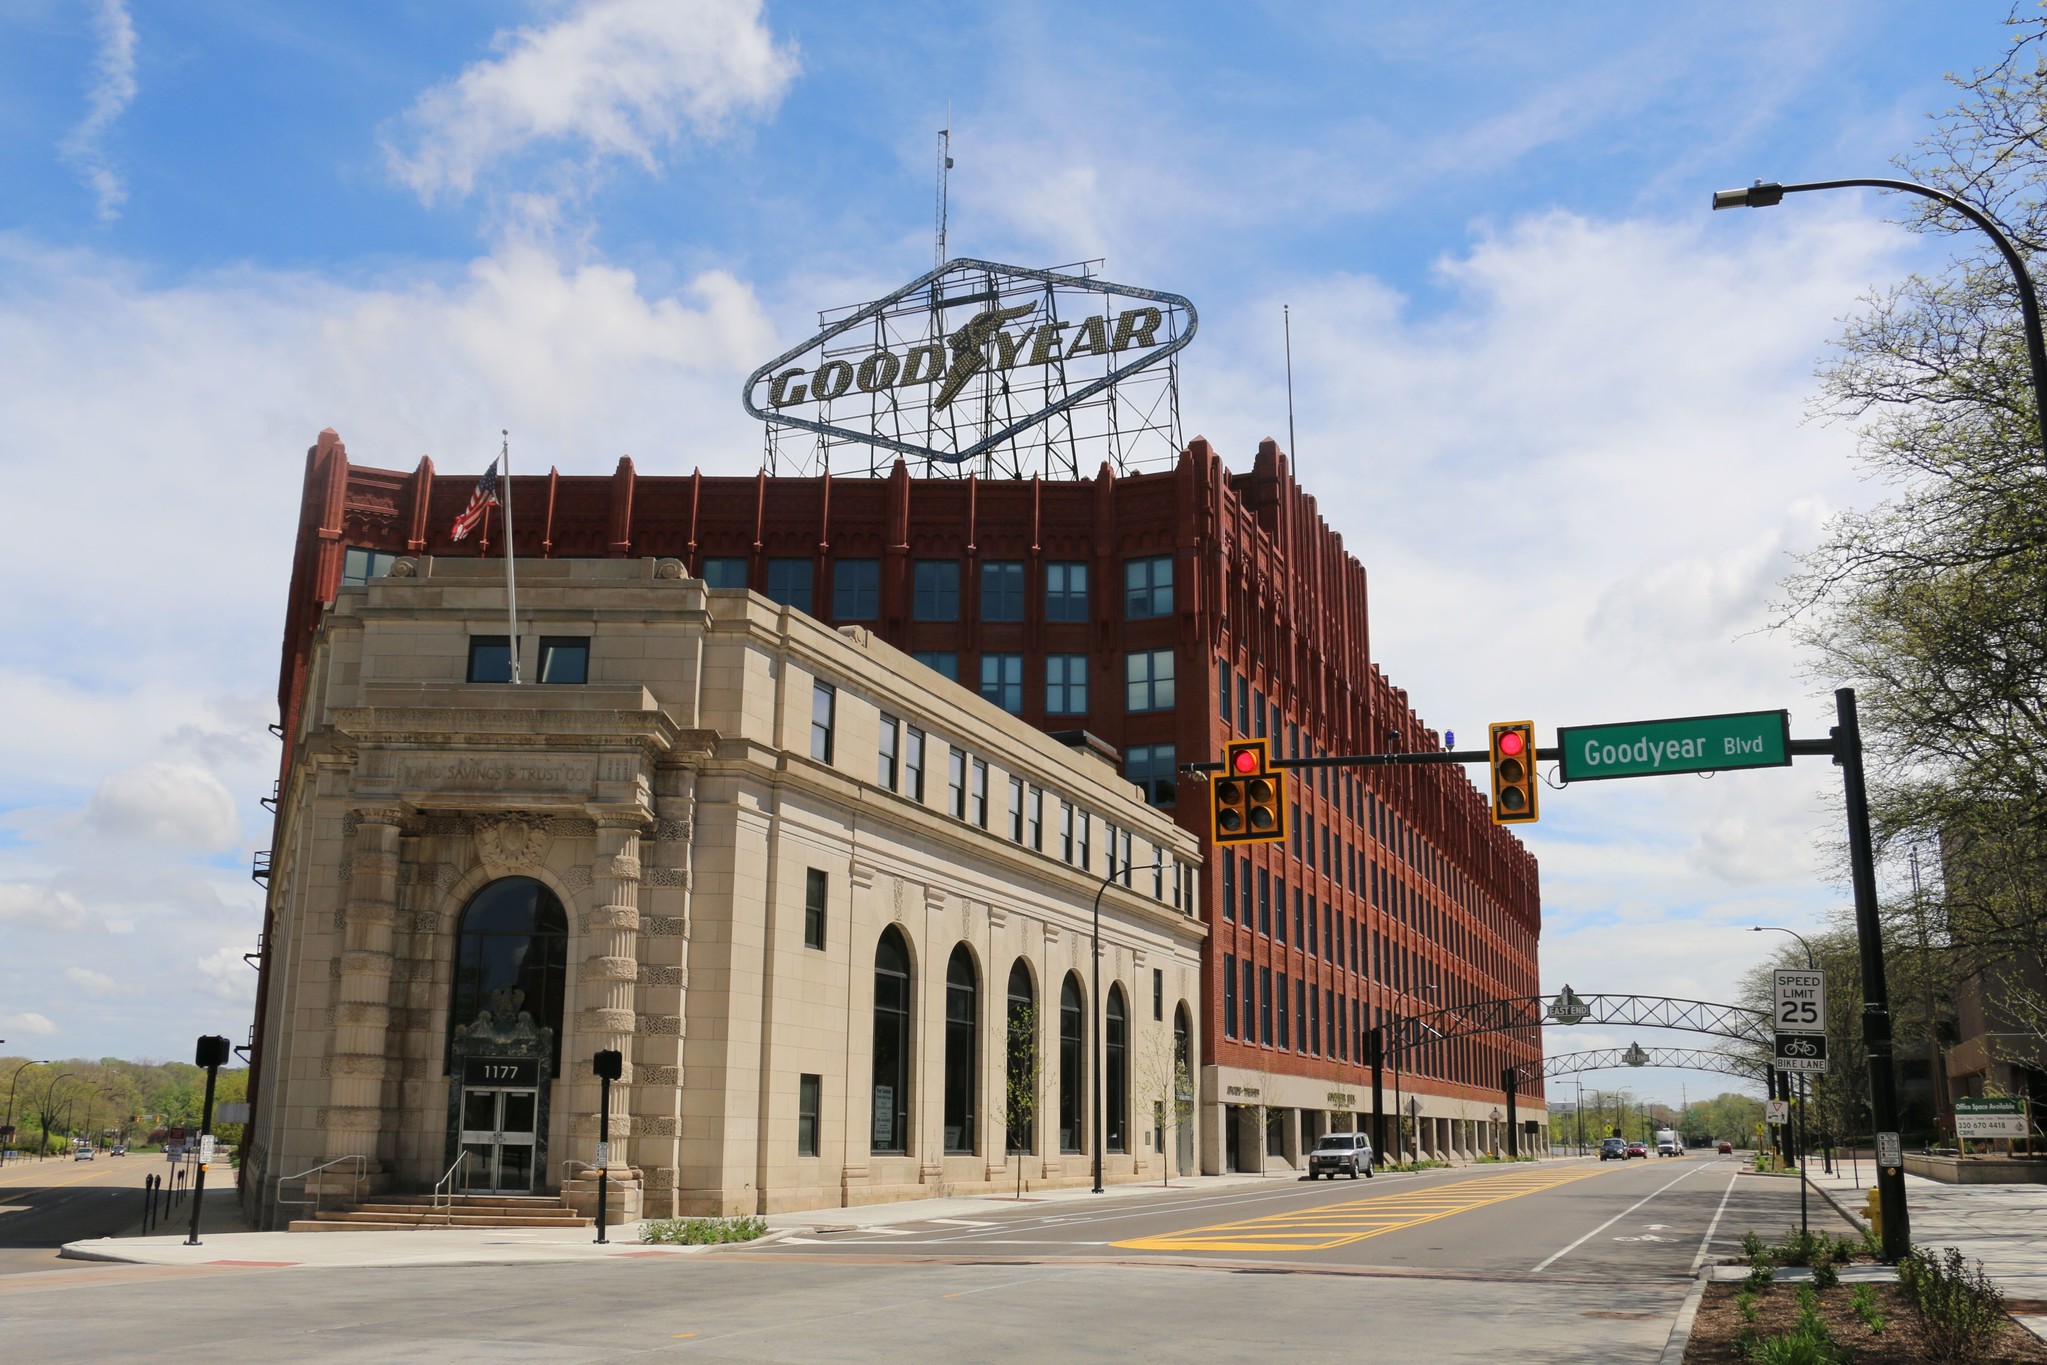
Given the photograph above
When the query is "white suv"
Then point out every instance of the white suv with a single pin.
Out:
(1349, 1153)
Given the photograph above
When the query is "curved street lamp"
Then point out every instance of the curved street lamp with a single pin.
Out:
(49, 1097)
(14, 1081)
(1768, 193)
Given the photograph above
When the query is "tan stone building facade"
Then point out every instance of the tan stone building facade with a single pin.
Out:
(832, 909)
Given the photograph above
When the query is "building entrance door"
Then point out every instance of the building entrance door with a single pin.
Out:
(498, 1137)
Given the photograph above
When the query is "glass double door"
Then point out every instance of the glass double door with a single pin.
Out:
(498, 1137)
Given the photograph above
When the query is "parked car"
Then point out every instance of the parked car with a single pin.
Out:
(1341, 1153)
(1613, 1149)
(1725, 1147)
(1639, 1149)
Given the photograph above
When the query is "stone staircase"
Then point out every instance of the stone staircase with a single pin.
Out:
(406, 1212)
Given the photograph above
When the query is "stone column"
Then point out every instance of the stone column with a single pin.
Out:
(607, 976)
(357, 1063)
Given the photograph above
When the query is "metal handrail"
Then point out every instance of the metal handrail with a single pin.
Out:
(446, 1177)
(361, 1174)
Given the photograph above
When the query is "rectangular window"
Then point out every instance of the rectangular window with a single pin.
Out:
(1002, 590)
(956, 783)
(565, 658)
(1016, 810)
(1284, 1032)
(815, 884)
(1229, 886)
(1121, 850)
(1147, 587)
(1158, 875)
(824, 701)
(1002, 681)
(1148, 680)
(1086, 853)
(1265, 1006)
(724, 573)
(1066, 831)
(936, 591)
(1314, 1038)
(1154, 768)
(1279, 908)
(977, 794)
(1066, 590)
(1257, 714)
(856, 589)
(944, 662)
(1229, 995)
(1264, 901)
(891, 743)
(789, 582)
(1158, 994)
(1066, 684)
(490, 660)
(359, 566)
(1243, 703)
(1222, 689)
(809, 1091)
(913, 765)
(1034, 820)
(1313, 937)
(1295, 816)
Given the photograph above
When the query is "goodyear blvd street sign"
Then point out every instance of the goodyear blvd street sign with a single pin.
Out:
(1686, 744)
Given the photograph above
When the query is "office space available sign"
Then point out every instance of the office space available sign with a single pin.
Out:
(968, 358)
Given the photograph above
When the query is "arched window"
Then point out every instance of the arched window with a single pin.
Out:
(513, 935)
(962, 1041)
(1072, 1065)
(1116, 1074)
(891, 1042)
(1020, 1111)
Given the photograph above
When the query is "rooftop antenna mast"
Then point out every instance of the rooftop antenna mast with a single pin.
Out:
(944, 166)
(1286, 314)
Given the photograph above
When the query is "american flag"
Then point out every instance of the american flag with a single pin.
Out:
(486, 495)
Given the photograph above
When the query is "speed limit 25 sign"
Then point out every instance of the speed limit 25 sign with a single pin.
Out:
(1801, 1000)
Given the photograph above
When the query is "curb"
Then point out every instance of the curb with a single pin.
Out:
(1681, 1330)
(1840, 1208)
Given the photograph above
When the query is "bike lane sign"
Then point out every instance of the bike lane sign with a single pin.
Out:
(1801, 1052)
(1800, 1018)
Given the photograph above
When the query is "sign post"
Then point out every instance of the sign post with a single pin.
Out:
(1800, 1012)
(212, 1054)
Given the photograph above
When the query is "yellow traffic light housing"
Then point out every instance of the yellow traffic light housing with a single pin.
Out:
(1247, 799)
(1512, 759)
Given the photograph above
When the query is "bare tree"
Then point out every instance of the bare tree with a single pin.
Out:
(1023, 1075)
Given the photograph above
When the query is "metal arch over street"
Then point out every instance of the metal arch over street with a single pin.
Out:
(1568, 1007)
(1616, 1058)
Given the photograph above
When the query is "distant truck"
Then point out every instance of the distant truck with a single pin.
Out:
(1668, 1143)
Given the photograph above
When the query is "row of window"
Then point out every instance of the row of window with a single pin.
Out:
(1147, 679)
(891, 1097)
(935, 587)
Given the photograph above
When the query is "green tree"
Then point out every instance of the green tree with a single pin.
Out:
(1931, 603)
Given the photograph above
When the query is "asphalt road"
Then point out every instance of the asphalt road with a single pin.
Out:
(1562, 1262)
(44, 1204)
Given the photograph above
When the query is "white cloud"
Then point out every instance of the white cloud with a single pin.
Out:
(619, 79)
(166, 803)
(107, 97)
(226, 974)
(24, 906)
(92, 982)
(34, 1025)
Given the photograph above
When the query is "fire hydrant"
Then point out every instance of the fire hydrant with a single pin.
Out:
(1872, 1209)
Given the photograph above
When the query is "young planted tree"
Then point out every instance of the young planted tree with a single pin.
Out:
(1023, 1076)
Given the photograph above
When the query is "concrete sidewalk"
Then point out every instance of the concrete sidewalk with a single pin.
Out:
(2003, 1226)
(225, 1240)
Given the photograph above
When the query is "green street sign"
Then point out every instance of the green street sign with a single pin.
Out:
(1687, 744)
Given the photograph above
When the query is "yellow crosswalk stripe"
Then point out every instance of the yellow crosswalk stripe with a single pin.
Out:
(1334, 1225)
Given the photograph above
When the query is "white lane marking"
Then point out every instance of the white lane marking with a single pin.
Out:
(959, 1222)
(1558, 1256)
(1707, 1241)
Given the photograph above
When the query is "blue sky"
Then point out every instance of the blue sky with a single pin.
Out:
(1557, 408)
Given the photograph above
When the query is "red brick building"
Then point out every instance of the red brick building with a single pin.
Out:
(1161, 613)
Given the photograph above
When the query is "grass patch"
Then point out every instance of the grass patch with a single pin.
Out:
(698, 1232)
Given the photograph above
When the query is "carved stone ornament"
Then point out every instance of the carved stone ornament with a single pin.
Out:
(403, 568)
(510, 844)
(668, 568)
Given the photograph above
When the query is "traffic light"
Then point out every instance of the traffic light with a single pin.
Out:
(1512, 755)
(1247, 800)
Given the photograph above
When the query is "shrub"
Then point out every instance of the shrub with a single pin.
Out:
(1824, 1275)
(1801, 1248)
(1759, 1273)
(1862, 1298)
(1959, 1309)
(1844, 1250)
(703, 1231)
(1745, 1304)
(1751, 1245)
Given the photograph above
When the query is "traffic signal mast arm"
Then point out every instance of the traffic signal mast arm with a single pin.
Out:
(1390, 760)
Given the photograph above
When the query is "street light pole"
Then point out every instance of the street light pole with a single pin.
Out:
(1100, 1014)
(16, 1080)
(1765, 194)
(49, 1098)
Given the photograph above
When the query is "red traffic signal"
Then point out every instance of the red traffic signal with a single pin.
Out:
(1247, 800)
(1511, 756)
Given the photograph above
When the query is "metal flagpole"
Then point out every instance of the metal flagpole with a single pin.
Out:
(511, 582)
